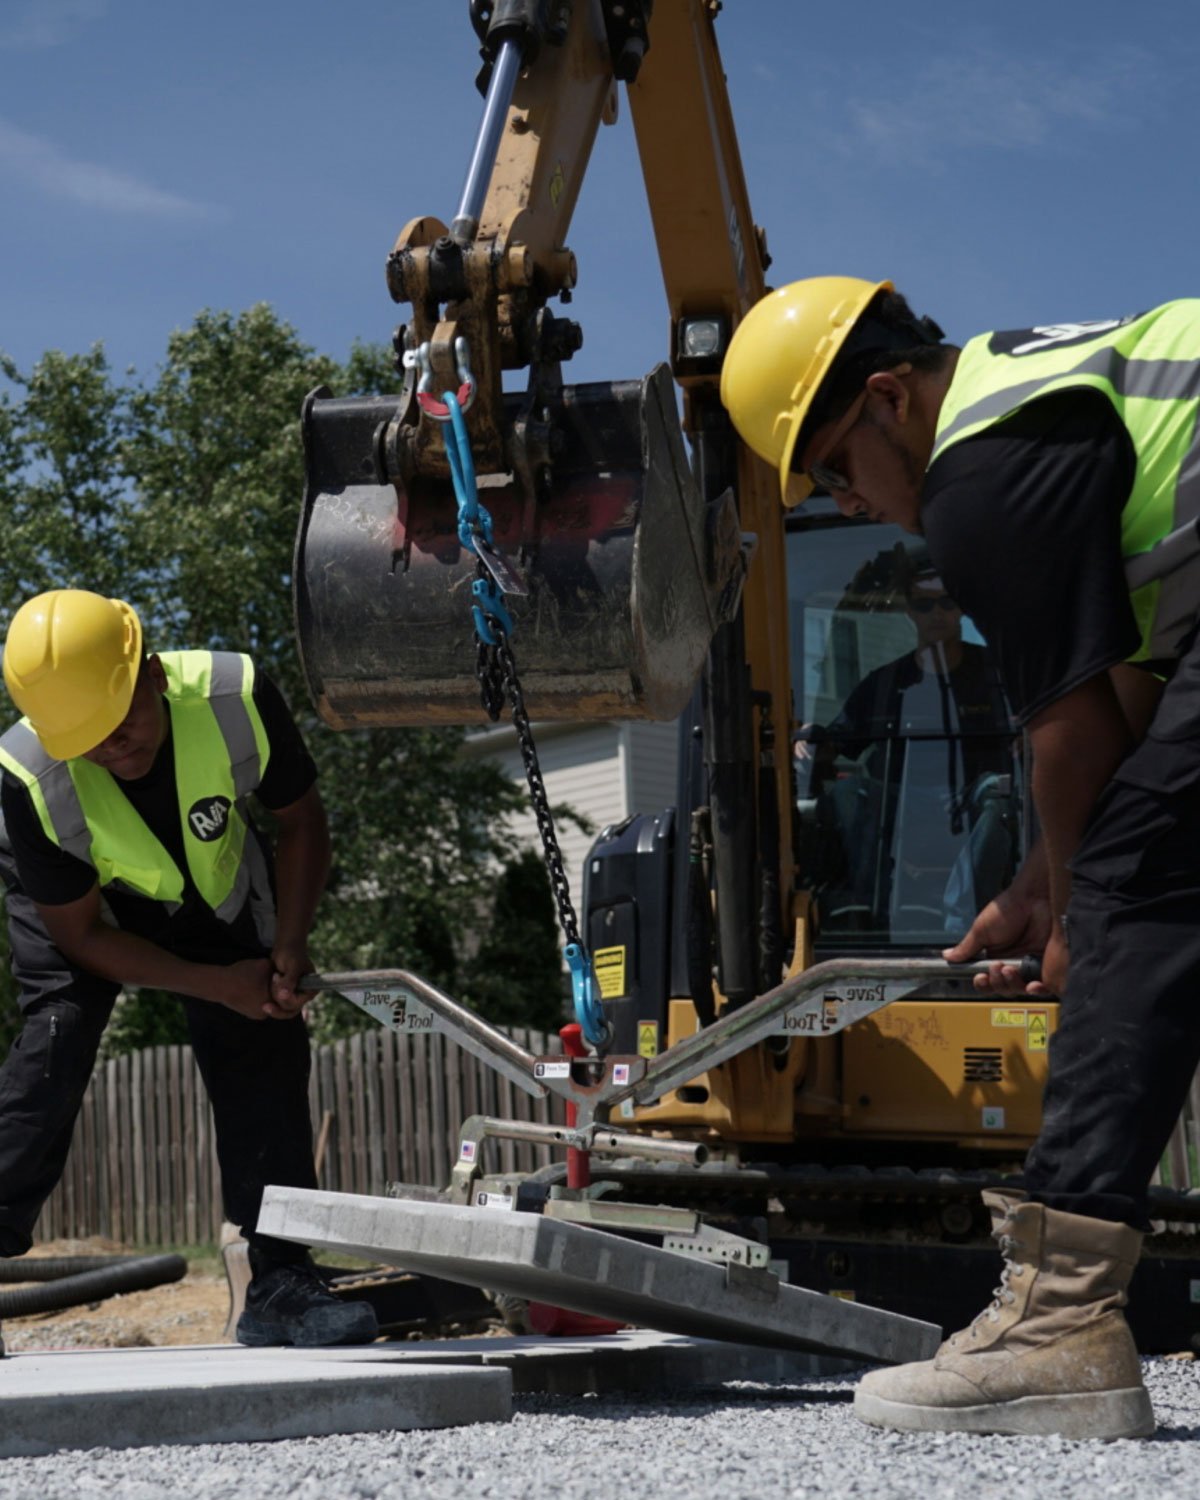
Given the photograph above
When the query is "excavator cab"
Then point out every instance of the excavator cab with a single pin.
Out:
(910, 775)
(910, 812)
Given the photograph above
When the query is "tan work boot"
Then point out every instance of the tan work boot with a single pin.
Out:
(1051, 1354)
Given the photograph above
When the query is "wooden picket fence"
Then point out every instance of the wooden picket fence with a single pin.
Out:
(1180, 1166)
(143, 1168)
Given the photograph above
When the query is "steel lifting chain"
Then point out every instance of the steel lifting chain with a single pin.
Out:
(496, 671)
(487, 665)
(537, 793)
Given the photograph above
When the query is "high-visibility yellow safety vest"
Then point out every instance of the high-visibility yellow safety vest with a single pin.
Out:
(221, 751)
(1148, 367)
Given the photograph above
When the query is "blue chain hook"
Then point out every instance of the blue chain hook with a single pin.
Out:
(585, 991)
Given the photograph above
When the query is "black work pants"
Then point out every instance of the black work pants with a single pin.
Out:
(256, 1074)
(1128, 1040)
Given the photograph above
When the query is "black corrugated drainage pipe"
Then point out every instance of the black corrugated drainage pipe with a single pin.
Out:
(78, 1279)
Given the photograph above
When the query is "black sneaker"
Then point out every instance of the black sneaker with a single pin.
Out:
(290, 1304)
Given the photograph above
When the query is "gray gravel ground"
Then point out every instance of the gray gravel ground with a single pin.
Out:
(738, 1442)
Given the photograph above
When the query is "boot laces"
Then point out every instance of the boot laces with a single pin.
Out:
(1003, 1295)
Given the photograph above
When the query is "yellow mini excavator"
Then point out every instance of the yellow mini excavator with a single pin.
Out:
(777, 1056)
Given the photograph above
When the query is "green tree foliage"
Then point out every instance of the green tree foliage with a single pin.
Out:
(516, 978)
(182, 494)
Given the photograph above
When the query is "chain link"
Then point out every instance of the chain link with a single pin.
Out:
(487, 668)
(496, 669)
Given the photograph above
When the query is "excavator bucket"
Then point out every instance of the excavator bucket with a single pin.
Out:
(629, 571)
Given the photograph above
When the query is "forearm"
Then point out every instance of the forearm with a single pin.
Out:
(1032, 880)
(1070, 770)
(128, 959)
(302, 856)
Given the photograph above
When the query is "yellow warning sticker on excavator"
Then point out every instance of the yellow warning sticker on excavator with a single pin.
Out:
(1008, 1018)
(558, 181)
(609, 964)
(1035, 1032)
(647, 1038)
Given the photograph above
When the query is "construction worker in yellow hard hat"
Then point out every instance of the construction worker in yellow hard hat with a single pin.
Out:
(804, 353)
(128, 859)
(1054, 472)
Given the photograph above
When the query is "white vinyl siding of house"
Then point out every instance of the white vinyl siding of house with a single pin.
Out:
(604, 771)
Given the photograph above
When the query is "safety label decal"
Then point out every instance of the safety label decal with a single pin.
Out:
(1008, 1018)
(993, 1117)
(647, 1038)
(1036, 1032)
(609, 964)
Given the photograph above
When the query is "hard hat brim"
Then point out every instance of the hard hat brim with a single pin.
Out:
(795, 488)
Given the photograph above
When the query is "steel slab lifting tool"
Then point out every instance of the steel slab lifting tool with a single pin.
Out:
(564, 1248)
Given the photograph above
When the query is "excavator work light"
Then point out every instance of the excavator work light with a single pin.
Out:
(700, 345)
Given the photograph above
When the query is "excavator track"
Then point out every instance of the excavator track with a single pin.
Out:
(915, 1241)
(803, 1189)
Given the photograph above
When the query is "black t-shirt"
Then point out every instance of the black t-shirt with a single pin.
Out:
(52, 877)
(1023, 523)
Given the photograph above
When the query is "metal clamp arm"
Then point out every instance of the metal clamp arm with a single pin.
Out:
(816, 1002)
(410, 1005)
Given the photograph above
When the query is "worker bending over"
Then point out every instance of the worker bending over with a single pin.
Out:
(128, 860)
(1055, 474)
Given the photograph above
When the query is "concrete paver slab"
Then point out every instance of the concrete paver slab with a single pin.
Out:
(636, 1359)
(131, 1398)
(587, 1270)
(640, 1360)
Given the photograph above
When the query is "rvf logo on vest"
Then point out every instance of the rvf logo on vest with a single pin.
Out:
(207, 818)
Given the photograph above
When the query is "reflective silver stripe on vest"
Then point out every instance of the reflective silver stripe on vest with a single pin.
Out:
(62, 800)
(1179, 591)
(233, 717)
(1175, 560)
(1151, 379)
(252, 884)
(262, 901)
(1174, 551)
(227, 683)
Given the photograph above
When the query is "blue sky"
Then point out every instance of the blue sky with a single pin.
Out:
(1004, 165)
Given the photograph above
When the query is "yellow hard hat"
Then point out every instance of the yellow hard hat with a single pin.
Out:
(70, 662)
(781, 352)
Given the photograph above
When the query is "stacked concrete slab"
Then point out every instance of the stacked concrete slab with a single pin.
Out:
(591, 1271)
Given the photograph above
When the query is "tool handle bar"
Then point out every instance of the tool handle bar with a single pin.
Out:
(471, 1032)
(809, 990)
